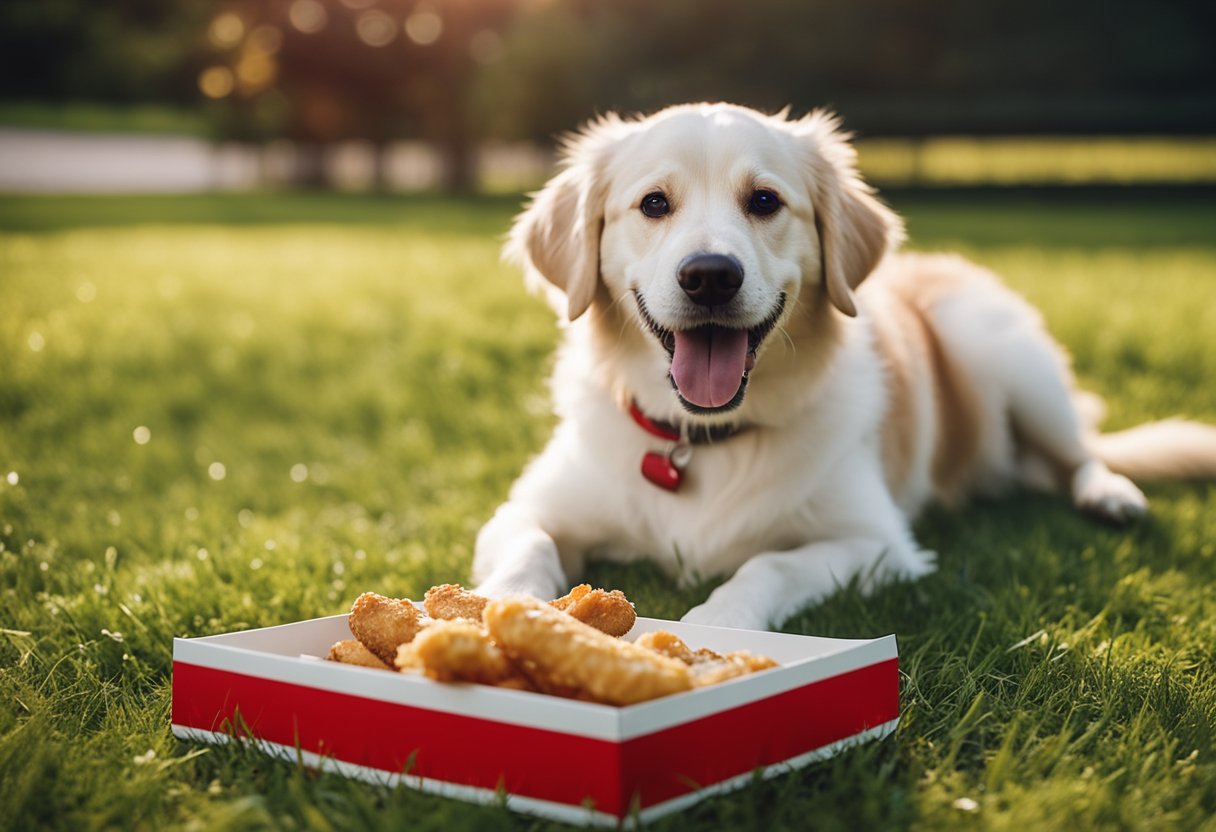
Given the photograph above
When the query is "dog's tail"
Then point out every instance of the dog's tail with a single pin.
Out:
(1172, 449)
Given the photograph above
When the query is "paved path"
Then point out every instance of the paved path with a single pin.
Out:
(48, 161)
(52, 161)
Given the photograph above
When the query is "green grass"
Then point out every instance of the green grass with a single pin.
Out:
(1010, 160)
(1057, 673)
(90, 117)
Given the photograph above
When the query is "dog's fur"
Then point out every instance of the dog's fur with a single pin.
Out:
(930, 381)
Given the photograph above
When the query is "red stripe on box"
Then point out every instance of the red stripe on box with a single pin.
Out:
(668, 763)
(534, 762)
(383, 735)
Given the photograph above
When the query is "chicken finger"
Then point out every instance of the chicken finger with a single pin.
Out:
(448, 601)
(350, 651)
(708, 667)
(382, 624)
(568, 653)
(459, 651)
(609, 612)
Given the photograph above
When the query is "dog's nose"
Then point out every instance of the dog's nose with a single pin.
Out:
(710, 279)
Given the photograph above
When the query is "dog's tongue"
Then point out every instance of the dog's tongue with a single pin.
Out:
(708, 364)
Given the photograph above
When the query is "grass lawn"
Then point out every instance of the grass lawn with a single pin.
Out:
(83, 116)
(227, 412)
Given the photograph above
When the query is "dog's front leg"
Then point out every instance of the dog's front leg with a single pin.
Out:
(773, 586)
(515, 555)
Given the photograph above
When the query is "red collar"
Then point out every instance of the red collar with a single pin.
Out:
(666, 470)
(690, 434)
(660, 429)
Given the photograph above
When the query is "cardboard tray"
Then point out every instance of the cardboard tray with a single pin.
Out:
(572, 761)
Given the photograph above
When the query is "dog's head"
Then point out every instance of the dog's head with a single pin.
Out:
(708, 225)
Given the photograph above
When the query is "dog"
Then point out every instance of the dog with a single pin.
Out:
(755, 382)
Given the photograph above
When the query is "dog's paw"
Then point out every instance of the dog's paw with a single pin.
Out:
(721, 615)
(503, 586)
(1098, 491)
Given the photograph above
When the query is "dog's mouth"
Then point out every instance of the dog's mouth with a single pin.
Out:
(710, 363)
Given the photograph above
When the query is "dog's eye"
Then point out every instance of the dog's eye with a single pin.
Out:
(763, 203)
(655, 205)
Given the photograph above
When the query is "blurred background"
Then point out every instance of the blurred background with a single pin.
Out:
(468, 95)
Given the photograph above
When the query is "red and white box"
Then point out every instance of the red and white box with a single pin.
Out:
(573, 761)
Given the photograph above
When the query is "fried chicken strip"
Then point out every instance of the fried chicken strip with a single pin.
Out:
(737, 663)
(382, 624)
(350, 651)
(609, 612)
(708, 667)
(458, 650)
(669, 644)
(567, 653)
(448, 601)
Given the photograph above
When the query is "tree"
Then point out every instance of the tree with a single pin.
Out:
(909, 67)
(319, 71)
(122, 51)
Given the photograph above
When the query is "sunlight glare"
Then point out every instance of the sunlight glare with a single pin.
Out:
(226, 30)
(255, 71)
(265, 39)
(216, 81)
(424, 26)
(309, 16)
(376, 28)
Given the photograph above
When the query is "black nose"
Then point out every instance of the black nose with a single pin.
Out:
(710, 279)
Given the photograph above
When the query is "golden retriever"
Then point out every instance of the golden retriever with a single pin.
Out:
(755, 383)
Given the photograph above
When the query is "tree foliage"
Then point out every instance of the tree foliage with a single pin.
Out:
(895, 66)
(456, 72)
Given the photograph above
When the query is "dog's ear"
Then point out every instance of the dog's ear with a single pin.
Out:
(855, 229)
(557, 238)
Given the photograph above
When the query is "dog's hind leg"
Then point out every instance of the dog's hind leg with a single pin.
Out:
(1038, 385)
(1037, 428)
(1044, 413)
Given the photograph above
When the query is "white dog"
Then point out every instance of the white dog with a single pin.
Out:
(734, 400)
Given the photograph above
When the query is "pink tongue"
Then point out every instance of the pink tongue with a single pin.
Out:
(708, 364)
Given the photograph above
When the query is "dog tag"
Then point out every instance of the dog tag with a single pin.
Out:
(658, 468)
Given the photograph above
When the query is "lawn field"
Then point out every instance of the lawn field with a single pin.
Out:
(226, 412)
